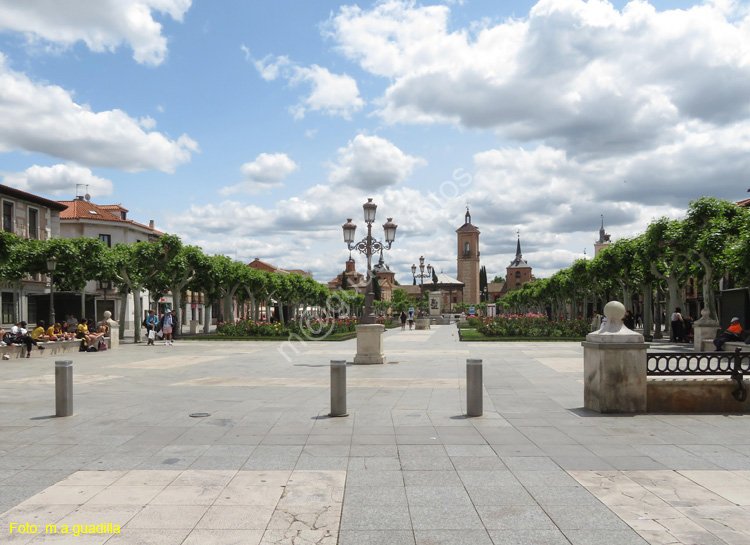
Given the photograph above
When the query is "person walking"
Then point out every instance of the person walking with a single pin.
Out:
(403, 321)
(678, 325)
(151, 322)
(166, 327)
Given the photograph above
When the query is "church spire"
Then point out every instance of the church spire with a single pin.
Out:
(518, 247)
(467, 217)
(603, 238)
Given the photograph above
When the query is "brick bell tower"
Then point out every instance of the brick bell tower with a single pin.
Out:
(468, 259)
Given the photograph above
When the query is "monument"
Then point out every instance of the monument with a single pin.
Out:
(614, 366)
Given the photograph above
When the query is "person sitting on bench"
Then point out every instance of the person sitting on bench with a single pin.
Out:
(732, 334)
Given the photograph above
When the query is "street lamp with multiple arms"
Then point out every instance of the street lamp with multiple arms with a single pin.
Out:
(421, 277)
(369, 246)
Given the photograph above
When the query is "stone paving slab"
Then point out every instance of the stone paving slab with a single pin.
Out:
(269, 466)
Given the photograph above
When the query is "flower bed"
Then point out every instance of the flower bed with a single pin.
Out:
(531, 325)
(313, 328)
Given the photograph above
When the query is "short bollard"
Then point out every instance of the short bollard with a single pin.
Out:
(474, 402)
(338, 388)
(64, 388)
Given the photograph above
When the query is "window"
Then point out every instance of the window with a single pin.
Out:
(8, 315)
(106, 239)
(8, 217)
(467, 248)
(518, 274)
(33, 223)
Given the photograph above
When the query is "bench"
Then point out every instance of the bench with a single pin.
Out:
(725, 370)
(15, 351)
(730, 346)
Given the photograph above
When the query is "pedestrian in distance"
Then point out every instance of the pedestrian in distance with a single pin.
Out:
(150, 323)
(403, 321)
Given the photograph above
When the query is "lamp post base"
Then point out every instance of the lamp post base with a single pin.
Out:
(370, 344)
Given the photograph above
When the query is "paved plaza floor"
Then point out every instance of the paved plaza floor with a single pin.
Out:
(406, 467)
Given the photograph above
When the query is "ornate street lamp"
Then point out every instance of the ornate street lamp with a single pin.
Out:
(422, 275)
(51, 266)
(369, 246)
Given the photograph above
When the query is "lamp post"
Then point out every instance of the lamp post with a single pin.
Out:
(369, 333)
(369, 246)
(421, 277)
(51, 266)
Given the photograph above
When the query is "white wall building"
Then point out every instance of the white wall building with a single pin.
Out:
(31, 217)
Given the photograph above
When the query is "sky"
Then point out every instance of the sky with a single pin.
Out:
(255, 129)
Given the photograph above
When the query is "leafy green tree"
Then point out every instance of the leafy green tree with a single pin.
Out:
(135, 264)
(709, 230)
(400, 301)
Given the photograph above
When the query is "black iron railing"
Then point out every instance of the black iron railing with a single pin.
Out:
(736, 365)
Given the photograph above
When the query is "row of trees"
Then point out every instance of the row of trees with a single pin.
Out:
(712, 241)
(165, 265)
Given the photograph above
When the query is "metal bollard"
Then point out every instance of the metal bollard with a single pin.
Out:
(474, 402)
(64, 388)
(338, 388)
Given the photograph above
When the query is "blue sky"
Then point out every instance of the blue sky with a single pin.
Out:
(255, 129)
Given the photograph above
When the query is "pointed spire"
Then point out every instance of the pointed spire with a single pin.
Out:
(518, 246)
(603, 238)
(467, 217)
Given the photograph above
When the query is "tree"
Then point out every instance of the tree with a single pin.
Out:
(710, 229)
(135, 264)
(400, 300)
(483, 284)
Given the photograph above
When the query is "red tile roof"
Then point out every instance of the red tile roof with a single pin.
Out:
(81, 209)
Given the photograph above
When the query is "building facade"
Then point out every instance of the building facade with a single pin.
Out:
(33, 218)
(110, 224)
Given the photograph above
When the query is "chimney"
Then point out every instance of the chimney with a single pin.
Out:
(151, 224)
(79, 197)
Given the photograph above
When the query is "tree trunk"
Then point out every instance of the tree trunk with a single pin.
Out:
(228, 307)
(657, 320)
(648, 310)
(83, 303)
(207, 308)
(123, 313)
(176, 303)
(137, 313)
(709, 300)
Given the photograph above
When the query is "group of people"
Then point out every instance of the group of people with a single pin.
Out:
(65, 331)
(164, 325)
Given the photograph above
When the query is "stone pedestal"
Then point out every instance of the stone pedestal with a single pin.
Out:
(114, 335)
(614, 366)
(370, 344)
(704, 329)
(114, 330)
(436, 301)
(194, 326)
(422, 323)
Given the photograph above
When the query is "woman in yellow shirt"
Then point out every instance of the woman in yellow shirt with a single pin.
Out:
(38, 332)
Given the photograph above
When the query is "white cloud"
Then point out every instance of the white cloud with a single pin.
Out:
(331, 94)
(45, 119)
(100, 24)
(58, 180)
(268, 170)
(371, 162)
(578, 75)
